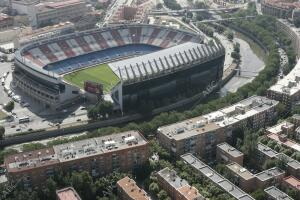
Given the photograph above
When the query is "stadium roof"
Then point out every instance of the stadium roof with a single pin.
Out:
(165, 61)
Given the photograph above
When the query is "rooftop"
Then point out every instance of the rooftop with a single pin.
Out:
(68, 193)
(211, 174)
(289, 143)
(240, 171)
(188, 128)
(172, 178)
(290, 161)
(269, 174)
(74, 150)
(56, 5)
(266, 150)
(277, 129)
(289, 84)
(277, 194)
(190, 193)
(293, 182)
(241, 110)
(165, 61)
(229, 149)
(129, 186)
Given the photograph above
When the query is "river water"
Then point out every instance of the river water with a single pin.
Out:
(252, 61)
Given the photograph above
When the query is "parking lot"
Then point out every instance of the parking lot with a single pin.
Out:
(26, 107)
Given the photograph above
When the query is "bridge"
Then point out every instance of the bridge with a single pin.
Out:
(225, 19)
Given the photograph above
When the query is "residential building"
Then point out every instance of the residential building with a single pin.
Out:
(206, 171)
(269, 177)
(68, 193)
(283, 140)
(128, 190)
(201, 134)
(295, 119)
(265, 153)
(177, 188)
(49, 13)
(229, 154)
(275, 194)
(291, 182)
(279, 8)
(242, 177)
(6, 21)
(284, 127)
(99, 156)
(23, 7)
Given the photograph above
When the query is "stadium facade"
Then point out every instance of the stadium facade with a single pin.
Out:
(159, 61)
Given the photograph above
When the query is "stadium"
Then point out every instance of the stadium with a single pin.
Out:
(130, 63)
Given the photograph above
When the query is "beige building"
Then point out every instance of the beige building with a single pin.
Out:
(54, 12)
(68, 193)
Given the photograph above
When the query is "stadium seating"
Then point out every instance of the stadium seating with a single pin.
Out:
(83, 49)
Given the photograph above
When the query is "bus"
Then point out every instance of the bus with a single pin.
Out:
(24, 120)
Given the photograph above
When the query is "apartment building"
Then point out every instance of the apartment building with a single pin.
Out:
(242, 177)
(285, 128)
(5, 21)
(275, 194)
(99, 156)
(266, 153)
(202, 134)
(293, 183)
(177, 188)
(128, 190)
(49, 13)
(278, 8)
(68, 193)
(229, 154)
(269, 177)
(206, 171)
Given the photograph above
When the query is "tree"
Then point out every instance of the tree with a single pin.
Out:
(154, 188)
(2, 131)
(229, 35)
(162, 195)
(9, 106)
(259, 195)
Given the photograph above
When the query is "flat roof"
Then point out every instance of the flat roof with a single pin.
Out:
(290, 161)
(289, 143)
(277, 194)
(266, 150)
(293, 182)
(278, 127)
(129, 186)
(214, 176)
(172, 178)
(190, 193)
(229, 149)
(68, 193)
(74, 150)
(240, 171)
(289, 84)
(164, 61)
(269, 174)
(241, 110)
(188, 128)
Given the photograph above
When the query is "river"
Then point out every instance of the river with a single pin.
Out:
(252, 62)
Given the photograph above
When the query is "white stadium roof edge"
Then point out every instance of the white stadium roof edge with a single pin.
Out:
(165, 61)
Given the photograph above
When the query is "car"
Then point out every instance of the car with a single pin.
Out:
(18, 129)
(73, 114)
(78, 120)
(30, 129)
(83, 108)
(13, 126)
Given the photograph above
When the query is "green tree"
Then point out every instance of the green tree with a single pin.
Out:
(162, 195)
(154, 188)
(2, 131)
(9, 106)
(259, 195)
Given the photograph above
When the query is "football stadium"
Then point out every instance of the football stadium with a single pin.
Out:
(129, 63)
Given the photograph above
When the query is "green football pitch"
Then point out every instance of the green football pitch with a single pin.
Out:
(99, 74)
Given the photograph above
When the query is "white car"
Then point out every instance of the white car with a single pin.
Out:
(16, 98)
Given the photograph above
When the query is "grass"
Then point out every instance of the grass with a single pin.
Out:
(99, 74)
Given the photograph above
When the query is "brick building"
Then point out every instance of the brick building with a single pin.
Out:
(128, 190)
(68, 193)
(291, 182)
(177, 188)
(99, 156)
(229, 154)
